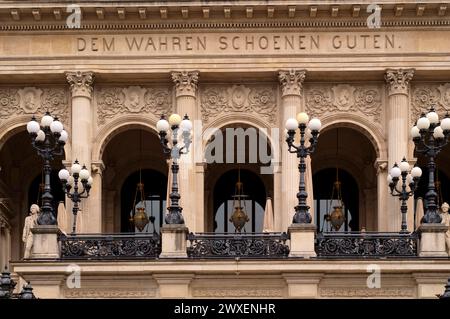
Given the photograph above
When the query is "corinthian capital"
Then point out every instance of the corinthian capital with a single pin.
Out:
(398, 80)
(80, 83)
(291, 81)
(185, 82)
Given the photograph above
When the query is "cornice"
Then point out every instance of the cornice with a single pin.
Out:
(148, 15)
(326, 24)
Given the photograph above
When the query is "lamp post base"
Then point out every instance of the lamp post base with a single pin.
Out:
(302, 240)
(432, 241)
(45, 242)
(173, 240)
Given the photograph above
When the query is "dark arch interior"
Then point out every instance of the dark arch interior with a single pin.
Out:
(35, 191)
(323, 187)
(155, 190)
(224, 189)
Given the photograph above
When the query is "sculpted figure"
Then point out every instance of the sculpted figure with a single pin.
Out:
(446, 221)
(27, 235)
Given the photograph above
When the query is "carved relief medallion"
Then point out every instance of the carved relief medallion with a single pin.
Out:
(256, 99)
(326, 99)
(112, 101)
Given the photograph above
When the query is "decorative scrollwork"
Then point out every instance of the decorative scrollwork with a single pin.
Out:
(32, 101)
(112, 101)
(110, 246)
(327, 99)
(259, 100)
(366, 244)
(226, 245)
(425, 95)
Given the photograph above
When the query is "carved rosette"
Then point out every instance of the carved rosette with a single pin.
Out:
(322, 100)
(217, 100)
(291, 81)
(34, 101)
(80, 83)
(185, 82)
(425, 95)
(112, 101)
(398, 80)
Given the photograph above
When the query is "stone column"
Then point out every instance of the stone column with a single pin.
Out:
(81, 138)
(291, 88)
(382, 195)
(95, 202)
(186, 88)
(398, 133)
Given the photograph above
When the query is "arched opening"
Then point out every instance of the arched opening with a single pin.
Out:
(129, 152)
(235, 153)
(155, 191)
(324, 201)
(225, 203)
(20, 175)
(353, 155)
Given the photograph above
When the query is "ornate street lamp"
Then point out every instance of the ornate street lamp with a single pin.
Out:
(308, 130)
(7, 285)
(430, 137)
(410, 177)
(174, 215)
(48, 138)
(76, 186)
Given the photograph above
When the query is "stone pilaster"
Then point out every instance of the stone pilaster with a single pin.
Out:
(186, 88)
(397, 81)
(81, 137)
(291, 87)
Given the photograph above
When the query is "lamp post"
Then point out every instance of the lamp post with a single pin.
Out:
(175, 122)
(410, 177)
(430, 137)
(48, 138)
(76, 186)
(309, 129)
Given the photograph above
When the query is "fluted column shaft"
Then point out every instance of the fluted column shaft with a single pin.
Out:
(81, 85)
(398, 134)
(292, 103)
(190, 182)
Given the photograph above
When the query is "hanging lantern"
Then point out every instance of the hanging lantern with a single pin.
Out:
(239, 217)
(140, 218)
(337, 218)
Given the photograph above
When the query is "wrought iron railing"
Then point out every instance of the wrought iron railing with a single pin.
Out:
(238, 245)
(110, 246)
(366, 244)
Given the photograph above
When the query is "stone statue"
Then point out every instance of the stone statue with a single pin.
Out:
(27, 235)
(446, 221)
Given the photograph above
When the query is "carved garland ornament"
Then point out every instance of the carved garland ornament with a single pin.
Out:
(323, 100)
(109, 293)
(217, 100)
(426, 95)
(112, 101)
(31, 100)
(237, 292)
(365, 292)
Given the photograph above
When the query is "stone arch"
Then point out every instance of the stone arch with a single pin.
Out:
(19, 124)
(121, 124)
(363, 125)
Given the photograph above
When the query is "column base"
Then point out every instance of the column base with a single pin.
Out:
(173, 240)
(302, 237)
(432, 241)
(45, 242)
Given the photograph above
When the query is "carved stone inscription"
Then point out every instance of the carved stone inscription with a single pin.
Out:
(259, 100)
(325, 99)
(112, 101)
